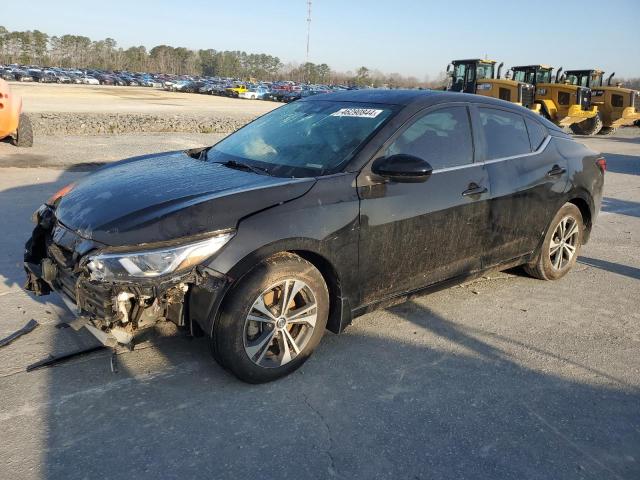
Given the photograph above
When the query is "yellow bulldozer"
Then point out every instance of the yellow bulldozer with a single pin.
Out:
(480, 77)
(617, 106)
(563, 104)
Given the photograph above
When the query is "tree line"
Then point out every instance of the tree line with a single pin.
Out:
(33, 47)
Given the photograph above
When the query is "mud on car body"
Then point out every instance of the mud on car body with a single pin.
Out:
(313, 214)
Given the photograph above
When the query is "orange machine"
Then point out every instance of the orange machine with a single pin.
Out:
(13, 122)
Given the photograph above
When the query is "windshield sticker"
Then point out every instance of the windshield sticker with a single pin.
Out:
(357, 112)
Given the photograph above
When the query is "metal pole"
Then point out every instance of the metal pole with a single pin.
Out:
(308, 26)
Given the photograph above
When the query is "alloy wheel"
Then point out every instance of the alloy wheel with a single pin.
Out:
(280, 323)
(564, 242)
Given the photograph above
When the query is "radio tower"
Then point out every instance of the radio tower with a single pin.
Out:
(308, 26)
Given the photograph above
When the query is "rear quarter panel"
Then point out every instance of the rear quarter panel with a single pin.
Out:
(586, 181)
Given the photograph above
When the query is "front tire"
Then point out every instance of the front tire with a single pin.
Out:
(273, 320)
(24, 135)
(561, 245)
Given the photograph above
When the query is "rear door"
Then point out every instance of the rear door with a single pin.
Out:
(416, 234)
(528, 179)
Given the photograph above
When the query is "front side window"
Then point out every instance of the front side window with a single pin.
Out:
(459, 76)
(441, 137)
(303, 138)
(504, 132)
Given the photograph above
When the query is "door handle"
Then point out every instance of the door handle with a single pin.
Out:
(474, 189)
(555, 171)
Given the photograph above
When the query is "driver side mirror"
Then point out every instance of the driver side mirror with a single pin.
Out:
(402, 168)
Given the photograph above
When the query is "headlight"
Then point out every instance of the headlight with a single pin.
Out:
(484, 86)
(156, 262)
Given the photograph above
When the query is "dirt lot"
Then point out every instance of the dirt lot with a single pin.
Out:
(504, 378)
(56, 98)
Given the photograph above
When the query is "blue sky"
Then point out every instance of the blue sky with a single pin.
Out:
(409, 37)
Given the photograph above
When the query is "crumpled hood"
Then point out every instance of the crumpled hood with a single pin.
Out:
(167, 196)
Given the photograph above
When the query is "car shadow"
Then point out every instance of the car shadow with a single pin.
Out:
(453, 402)
(622, 207)
(626, 270)
(627, 164)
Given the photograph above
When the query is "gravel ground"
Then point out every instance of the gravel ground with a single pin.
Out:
(95, 110)
(54, 98)
(506, 377)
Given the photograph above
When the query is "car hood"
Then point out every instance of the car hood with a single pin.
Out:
(167, 196)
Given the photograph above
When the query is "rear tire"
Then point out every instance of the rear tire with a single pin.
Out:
(24, 135)
(561, 245)
(272, 321)
(590, 126)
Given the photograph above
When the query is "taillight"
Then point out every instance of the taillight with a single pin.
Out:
(602, 164)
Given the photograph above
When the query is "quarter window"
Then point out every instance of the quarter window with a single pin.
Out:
(441, 137)
(537, 134)
(504, 132)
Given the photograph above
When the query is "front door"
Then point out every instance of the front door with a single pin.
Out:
(416, 234)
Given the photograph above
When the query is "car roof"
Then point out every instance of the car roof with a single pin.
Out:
(422, 98)
(389, 97)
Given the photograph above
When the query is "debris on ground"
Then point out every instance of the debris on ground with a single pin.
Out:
(31, 324)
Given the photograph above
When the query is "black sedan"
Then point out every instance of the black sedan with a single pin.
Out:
(313, 214)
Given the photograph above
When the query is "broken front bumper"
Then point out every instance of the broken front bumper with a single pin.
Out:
(112, 311)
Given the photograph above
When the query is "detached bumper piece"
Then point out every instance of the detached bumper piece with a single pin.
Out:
(112, 312)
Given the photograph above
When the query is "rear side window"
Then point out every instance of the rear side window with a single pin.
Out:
(441, 137)
(537, 134)
(504, 132)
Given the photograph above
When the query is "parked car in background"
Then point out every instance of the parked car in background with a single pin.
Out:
(62, 77)
(256, 93)
(7, 75)
(187, 86)
(87, 80)
(283, 229)
(235, 90)
(22, 76)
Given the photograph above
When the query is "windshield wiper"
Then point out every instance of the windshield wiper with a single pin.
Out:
(245, 166)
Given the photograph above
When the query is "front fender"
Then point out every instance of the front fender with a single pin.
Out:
(322, 226)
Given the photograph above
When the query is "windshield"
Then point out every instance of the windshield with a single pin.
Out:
(585, 79)
(484, 70)
(532, 76)
(303, 138)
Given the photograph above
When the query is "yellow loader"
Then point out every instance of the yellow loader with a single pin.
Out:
(480, 77)
(563, 104)
(617, 106)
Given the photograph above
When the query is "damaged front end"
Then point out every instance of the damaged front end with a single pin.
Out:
(117, 291)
